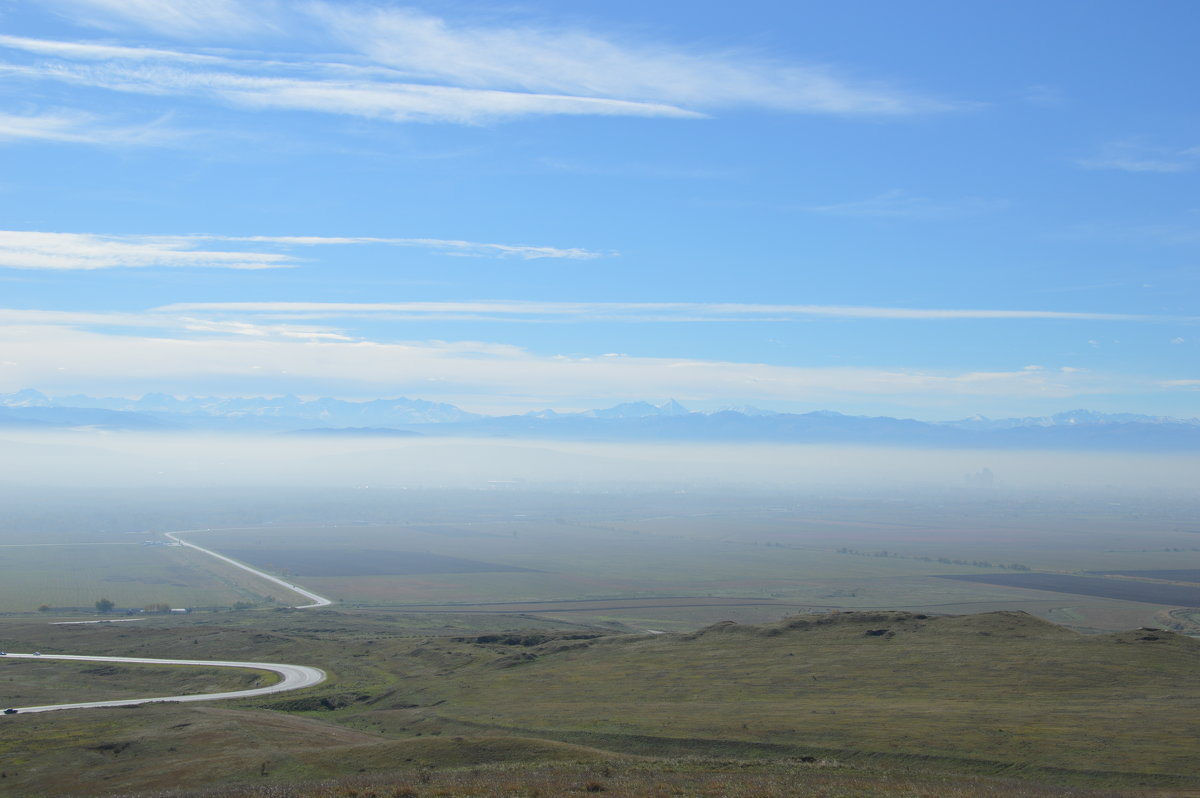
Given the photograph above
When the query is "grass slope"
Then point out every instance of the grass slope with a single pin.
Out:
(90, 752)
(1005, 692)
(880, 703)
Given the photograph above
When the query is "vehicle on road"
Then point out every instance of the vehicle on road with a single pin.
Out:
(10, 712)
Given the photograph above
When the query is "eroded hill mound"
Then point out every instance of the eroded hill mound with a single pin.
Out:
(1000, 691)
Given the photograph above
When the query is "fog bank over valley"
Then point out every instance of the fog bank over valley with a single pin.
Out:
(90, 458)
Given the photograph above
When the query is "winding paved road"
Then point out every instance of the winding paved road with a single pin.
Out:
(317, 601)
(294, 678)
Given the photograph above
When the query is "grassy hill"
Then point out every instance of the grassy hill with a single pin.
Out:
(879, 703)
(999, 692)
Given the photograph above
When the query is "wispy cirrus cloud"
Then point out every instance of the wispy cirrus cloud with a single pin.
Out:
(451, 246)
(88, 251)
(405, 65)
(370, 98)
(898, 204)
(54, 354)
(85, 251)
(74, 127)
(1181, 229)
(1135, 156)
(186, 18)
(170, 325)
(529, 311)
(96, 51)
(584, 63)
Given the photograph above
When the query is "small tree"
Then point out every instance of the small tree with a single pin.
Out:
(104, 605)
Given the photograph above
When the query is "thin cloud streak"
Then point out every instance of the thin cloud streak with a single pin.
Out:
(73, 127)
(371, 99)
(56, 357)
(638, 311)
(413, 66)
(88, 251)
(85, 251)
(90, 51)
(457, 246)
(169, 325)
(1133, 156)
(175, 18)
(897, 204)
(581, 63)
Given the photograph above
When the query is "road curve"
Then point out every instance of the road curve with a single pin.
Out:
(294, 678)
(317, 601)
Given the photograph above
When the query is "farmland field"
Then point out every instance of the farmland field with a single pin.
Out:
(75, 576)
(1125, 589)
(666, 561)
(1167, 574)
(659, 567)
(361, 562)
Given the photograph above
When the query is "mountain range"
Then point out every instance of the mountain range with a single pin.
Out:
(632, 421)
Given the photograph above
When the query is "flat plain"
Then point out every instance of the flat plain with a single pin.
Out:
(74, 576)
(677, 562)
(518, 643)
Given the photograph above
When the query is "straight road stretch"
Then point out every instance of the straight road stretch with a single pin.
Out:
(317, 601)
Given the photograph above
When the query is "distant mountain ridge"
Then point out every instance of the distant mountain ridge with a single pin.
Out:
(1082, 430)
(273, 413)
(1068, 418)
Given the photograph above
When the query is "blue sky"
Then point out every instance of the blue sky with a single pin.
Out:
(928, 209)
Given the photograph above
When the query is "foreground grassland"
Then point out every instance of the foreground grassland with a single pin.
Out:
(879, 703)
(661, 779)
